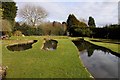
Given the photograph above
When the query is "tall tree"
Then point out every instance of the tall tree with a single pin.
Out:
(32, 15)
(9, 11)
(72, 21)
(1, 11)
(91, 22)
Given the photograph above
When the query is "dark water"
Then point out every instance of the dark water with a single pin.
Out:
(21, 47)
(100, 62)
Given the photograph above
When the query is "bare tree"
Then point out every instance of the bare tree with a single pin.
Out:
(32, 15)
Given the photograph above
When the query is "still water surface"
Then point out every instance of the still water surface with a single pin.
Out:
(100, 62)
(21, 47)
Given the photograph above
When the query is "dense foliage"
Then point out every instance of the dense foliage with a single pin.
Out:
(76, 27)
(108, 32)
(46, 28)
(52, 28)
(5, 27)
(17, 33)
(1, 10)
(73, 21)
(91, 22)
(9, 11)
(26, 29)
(80, 32)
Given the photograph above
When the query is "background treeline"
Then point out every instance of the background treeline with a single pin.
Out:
(33, 24)
(108, 32)
(82, 29)
(46, 28)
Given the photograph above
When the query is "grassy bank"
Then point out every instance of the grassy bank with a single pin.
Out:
(111, 46)
(36, 63)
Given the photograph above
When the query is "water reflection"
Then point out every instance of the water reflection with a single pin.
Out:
(83, 45)
(49, 44)
(101, 62)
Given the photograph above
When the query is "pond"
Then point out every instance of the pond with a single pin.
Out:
(21, 47)
(100, 62)
(49, 44)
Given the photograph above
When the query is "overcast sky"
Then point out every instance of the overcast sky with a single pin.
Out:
(103, 11)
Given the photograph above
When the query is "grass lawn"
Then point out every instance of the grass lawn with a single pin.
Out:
(0, 52)
(111, 46)
(36, 63)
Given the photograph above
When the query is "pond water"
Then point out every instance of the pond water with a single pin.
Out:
(100, 62)
(50, 44)
(21, 47)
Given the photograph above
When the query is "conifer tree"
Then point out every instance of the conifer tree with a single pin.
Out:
(9, 11)
(91, 22)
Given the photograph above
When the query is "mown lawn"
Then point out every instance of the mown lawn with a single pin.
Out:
(36, 63)
(0, 52)
(111, 46)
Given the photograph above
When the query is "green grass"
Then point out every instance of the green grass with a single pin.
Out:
(0, 52)
(111, 46)
(36, 63)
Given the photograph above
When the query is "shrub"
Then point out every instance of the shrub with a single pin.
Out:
(5, 27)
(18, 33)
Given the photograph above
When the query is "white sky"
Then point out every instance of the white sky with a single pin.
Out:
(103, 11)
